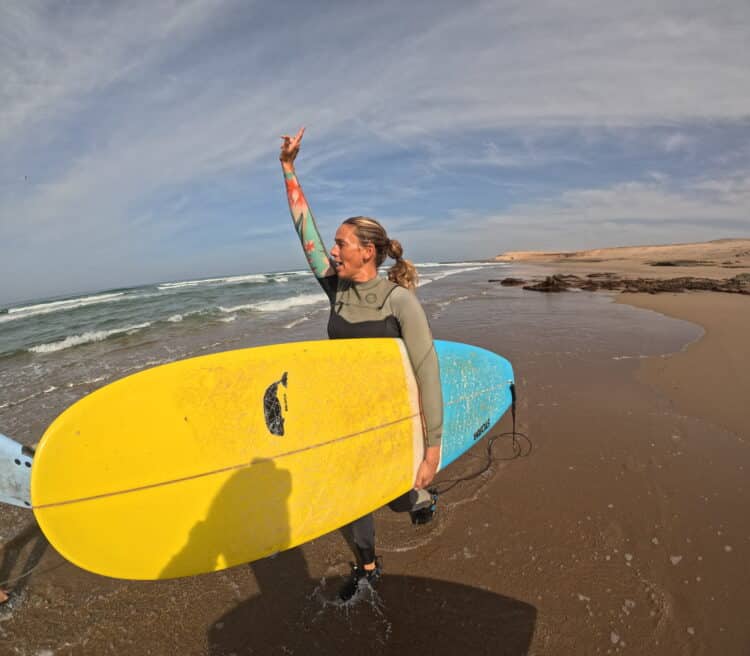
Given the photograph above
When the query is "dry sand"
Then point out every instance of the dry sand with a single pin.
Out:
(723, 258)
(623, 529)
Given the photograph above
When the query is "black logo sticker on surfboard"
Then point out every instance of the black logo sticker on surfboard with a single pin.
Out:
(272, 406)
(479, 431)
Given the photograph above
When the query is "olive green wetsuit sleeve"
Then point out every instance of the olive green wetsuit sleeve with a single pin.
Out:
(417, 336)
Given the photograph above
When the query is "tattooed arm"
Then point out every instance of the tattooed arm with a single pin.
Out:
(304, 223)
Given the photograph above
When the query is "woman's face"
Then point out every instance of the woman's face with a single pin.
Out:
(352, 259)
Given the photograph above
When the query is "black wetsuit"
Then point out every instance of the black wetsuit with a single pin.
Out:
(380, 308)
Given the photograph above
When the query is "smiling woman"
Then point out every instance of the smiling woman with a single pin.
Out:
(365, 305)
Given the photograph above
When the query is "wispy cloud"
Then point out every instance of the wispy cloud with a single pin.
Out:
(130, 130)
(639, 211)
(55, 58)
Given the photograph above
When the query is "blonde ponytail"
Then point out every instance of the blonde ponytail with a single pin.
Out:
(403, 273)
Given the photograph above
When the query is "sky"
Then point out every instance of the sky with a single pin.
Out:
(139, 140)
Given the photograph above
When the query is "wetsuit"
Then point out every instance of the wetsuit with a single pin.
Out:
(376, 308)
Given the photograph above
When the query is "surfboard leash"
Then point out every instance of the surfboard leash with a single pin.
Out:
(20, 576)
(518, 450)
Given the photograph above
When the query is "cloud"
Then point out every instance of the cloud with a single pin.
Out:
(676, 142)
(147, 122)
(54, 59)
(635, 212)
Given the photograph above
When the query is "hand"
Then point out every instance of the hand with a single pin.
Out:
(290, 147)
(425, 474)
(427, 468)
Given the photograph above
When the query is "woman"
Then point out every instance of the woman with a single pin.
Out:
(365, 305)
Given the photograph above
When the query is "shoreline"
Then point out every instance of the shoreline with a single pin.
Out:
(695, 441)
(711, 377)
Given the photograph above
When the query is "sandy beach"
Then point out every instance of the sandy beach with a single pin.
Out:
(715, 259)
(673, 468)
(618, 525)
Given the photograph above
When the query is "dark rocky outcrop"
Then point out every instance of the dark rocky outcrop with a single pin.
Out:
(509, 282)
(739, 284)
(674, 263)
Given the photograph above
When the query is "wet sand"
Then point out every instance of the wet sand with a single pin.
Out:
(621, 526)
(712, 376)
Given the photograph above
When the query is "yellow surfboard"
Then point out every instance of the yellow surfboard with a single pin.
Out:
(209, 462)
(215, 461)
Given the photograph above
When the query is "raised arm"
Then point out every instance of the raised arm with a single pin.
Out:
(304, 223)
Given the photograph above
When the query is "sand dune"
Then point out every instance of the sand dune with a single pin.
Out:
(722, 258)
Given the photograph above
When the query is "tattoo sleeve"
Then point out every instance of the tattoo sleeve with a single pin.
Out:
(307, 230)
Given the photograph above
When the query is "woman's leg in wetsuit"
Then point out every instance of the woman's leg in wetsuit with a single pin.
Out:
(363, 534)
(363, 529)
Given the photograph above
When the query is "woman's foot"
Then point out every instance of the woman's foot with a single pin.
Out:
(367, 574)
(426, 514)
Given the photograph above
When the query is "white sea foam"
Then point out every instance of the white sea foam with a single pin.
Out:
(98, 379)
(474, 264)
(282, 304)
(236, 308)
(59, 306)
(444, 274)
(231, 280)
(86, 338)
(444, 304)
(458, 264)
(296, 322)
(181, 316)
(10, 404)
(278, 305)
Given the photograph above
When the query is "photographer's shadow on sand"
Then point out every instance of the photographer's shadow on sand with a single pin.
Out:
(292, 615)
(405, 614)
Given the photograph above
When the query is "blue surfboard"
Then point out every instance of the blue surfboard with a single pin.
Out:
(476, 385)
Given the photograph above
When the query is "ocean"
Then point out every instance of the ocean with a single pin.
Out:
(54, 351)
